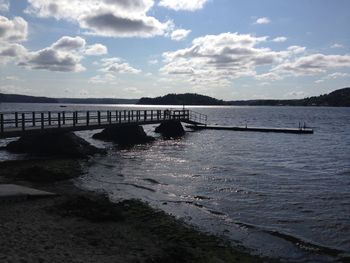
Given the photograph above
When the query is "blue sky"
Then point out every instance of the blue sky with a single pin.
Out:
(132, 48)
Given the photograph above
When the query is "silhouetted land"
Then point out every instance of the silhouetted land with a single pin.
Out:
(180, 99)
(338, 98)
(25, 99)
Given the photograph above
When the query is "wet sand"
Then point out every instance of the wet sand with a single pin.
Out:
(81, 226)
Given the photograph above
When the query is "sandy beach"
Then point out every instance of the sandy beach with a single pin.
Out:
(81, 226)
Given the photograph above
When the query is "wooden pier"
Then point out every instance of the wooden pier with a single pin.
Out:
(300, 130)
(15, 124)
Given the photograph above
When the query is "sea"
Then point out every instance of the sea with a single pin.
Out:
(280, 196)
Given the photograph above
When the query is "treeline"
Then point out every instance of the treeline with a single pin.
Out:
(25, 99)
(181, 99)
(338, 98)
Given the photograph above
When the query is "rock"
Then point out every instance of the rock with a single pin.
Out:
(125, 135)
(53, 144)
(171, 129)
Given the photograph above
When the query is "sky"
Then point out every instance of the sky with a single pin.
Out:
(228, 49)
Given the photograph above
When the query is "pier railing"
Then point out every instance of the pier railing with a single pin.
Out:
(23, 121)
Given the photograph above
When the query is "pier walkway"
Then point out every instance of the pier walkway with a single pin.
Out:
(16, 124)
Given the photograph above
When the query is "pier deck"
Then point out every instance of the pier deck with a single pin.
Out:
(16, 124)
(252, 129)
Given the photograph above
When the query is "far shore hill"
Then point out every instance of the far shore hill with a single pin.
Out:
(337, 98)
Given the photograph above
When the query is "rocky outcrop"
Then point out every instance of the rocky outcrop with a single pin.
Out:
(53, 144)
(125, 135)
(170, 129)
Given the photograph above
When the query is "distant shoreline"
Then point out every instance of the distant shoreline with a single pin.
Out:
(337, 98)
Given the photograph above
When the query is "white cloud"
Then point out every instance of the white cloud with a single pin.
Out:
(295, 50)
(11, 52)
(110, 18)
(15, 30)
(180, 34)
(296, 94)
(96, 50)
(263, 21)
(117, 66)
(187, 5)
(67, 43)
(313, 64)
(331, 76)
(220, 58)
(4, 5)
(279, 39)
(337, 45)
(103, 79)
(53, 60)
(153, 61)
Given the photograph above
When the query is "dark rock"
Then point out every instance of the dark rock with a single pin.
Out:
(171, 129)
(53, 144)
(125, 135)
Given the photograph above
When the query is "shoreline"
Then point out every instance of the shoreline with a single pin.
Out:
(83, 226)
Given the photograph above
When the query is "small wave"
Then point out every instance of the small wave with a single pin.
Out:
(152, 181)
(309, 246)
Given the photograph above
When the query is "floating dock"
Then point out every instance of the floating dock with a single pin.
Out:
(252, 129)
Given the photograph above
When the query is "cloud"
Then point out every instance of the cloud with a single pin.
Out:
(180, 34)
(53, 60)
(296, 94)
(110, 18)
(314, 64)
(96, 50)
(11, 52)
(336, 45)
(296, 49)
(64, 55)
(186, 5)
(263, 21)
(220, 58)
(4, 5)
(103, 79)
(15, 30)
(331, 76)
(67, 43)
(112, 25)
(214, 60)
(279, 39)
(153, 61)
(117, 66)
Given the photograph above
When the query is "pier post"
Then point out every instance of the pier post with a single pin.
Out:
(116, 116)
(49, 113)
(59, 119)
(120, 117)
(16, 119)
(74, 119)
(2, 123)
(64, 117)
(23, 121)
(42, 120)
(99, 118)
(109, 117)
(87, 118)
(33, 118)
